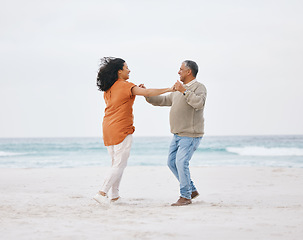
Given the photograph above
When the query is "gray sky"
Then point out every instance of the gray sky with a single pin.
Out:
(250, 55)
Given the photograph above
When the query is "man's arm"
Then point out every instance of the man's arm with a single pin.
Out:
(160, 100)
(196, 98)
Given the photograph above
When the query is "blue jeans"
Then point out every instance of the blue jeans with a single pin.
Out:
(180, 152)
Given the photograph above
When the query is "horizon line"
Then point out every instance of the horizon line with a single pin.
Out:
(153, 136)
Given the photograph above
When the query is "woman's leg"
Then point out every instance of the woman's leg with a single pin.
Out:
(119, 154)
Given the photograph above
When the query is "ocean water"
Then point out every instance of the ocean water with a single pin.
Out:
(274, 151)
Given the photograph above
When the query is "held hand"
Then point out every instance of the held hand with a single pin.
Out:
(172, 89)
(179, 87)
(142, 86)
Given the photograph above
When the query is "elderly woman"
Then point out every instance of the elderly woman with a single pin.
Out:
(119, 96)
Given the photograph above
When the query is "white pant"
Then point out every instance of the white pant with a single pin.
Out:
(119, 154)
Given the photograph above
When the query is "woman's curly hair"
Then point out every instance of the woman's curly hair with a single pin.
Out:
(108, 72)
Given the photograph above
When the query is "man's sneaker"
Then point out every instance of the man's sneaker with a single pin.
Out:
(194, 194)
(182, 201)
(103, 200)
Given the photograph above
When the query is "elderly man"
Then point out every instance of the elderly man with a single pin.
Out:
(187, 125)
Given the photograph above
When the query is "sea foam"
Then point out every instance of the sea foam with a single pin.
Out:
(263, 151)
(8, 154)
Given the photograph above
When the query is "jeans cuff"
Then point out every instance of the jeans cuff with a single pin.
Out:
(186, 197)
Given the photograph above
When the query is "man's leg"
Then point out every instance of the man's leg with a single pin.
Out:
(186, 148)
(171, 162)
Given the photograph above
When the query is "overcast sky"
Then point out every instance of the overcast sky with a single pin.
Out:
(250, 55)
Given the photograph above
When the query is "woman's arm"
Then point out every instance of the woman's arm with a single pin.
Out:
(150, 92)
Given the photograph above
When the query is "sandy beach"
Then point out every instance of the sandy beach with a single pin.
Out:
(235, 203)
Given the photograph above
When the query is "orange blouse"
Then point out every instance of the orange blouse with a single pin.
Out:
(118, 119)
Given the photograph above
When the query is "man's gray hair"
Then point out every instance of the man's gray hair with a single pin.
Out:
(192, 66)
